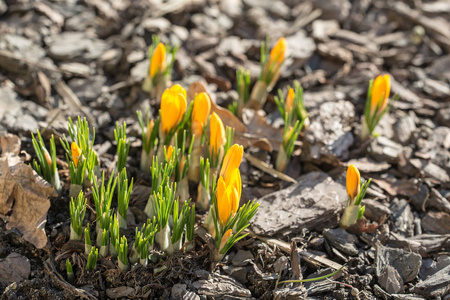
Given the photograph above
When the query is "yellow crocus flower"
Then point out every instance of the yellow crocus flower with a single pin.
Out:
(227, 200)
(290, 100)
(278, 51)
(200, 112)
(217, 131)
(173, 107)
(76, 153)
(353, 181)
(224, 239)
(232, 160)
(169, 152)
(158, 61)
(381, 89)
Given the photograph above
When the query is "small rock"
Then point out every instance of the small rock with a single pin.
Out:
(443, 116)
(375, 210)
(280, 264)
(383, 149)
(123, 291)
(14, 268)
(312, 203)
(407, 264)
(178, 291)
(403, 129)
(88, 89)
(342, 240)
(390, 280)
(75, 45)
(322, 29)
(156, 25)
(241, 257)
(437, 285)
(221, 286)
(232, 8)
(329, 136)
(403, 217)
(436, 222)
(77, 69)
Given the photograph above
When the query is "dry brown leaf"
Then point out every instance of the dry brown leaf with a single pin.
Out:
(24, 193)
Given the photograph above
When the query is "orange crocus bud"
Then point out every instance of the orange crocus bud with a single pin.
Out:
(381, 89)
(149, 130)
(278, 51)
(173, 107)
(290, 100)
(48, 158)
(232, 160)
(157, 63)
(76, 153)
(217, 138)
(353, 181)
(200, 112)
(169, 152)
(224, 239)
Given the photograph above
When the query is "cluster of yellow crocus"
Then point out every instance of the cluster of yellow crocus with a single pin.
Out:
(229, 186)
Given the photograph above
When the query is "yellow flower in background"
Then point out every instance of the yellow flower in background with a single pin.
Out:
(169, 152)
(353, 181)
(232, 160)
(290, 100)
(278, 51)
(381, 89)
(173, 107)
(76, 153)
(217, 131)
(158, 61)
(200, 112)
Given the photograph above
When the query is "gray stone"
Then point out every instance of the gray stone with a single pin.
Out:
(178, 291)
(403, 129)
(156, 24)
(313, 203)
(333, 9)
(8, 102)
(14, 268)
(88, 89)
(232, 8)
(390, 280)
(342, 240)
(241, 257)
(221, 287)
(77, 69)
(384, 149)
(402, 217)
(436, 285)
(407, 264)
(280, 264)
(443, 116)
(75, 45)
(329, 136)
(323, 29)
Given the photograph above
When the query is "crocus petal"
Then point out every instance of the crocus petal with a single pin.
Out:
(76, 153)
(217, 130)
(353, 181)
(173, 107)
(290, 100)
(224, 239)
(278, 51)
(169, 152)
(232, 160)
(200, 112)
(234, 180)
(158, 59)
(380, 92)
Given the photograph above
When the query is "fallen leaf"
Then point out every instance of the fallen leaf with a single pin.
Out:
(23, 193)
